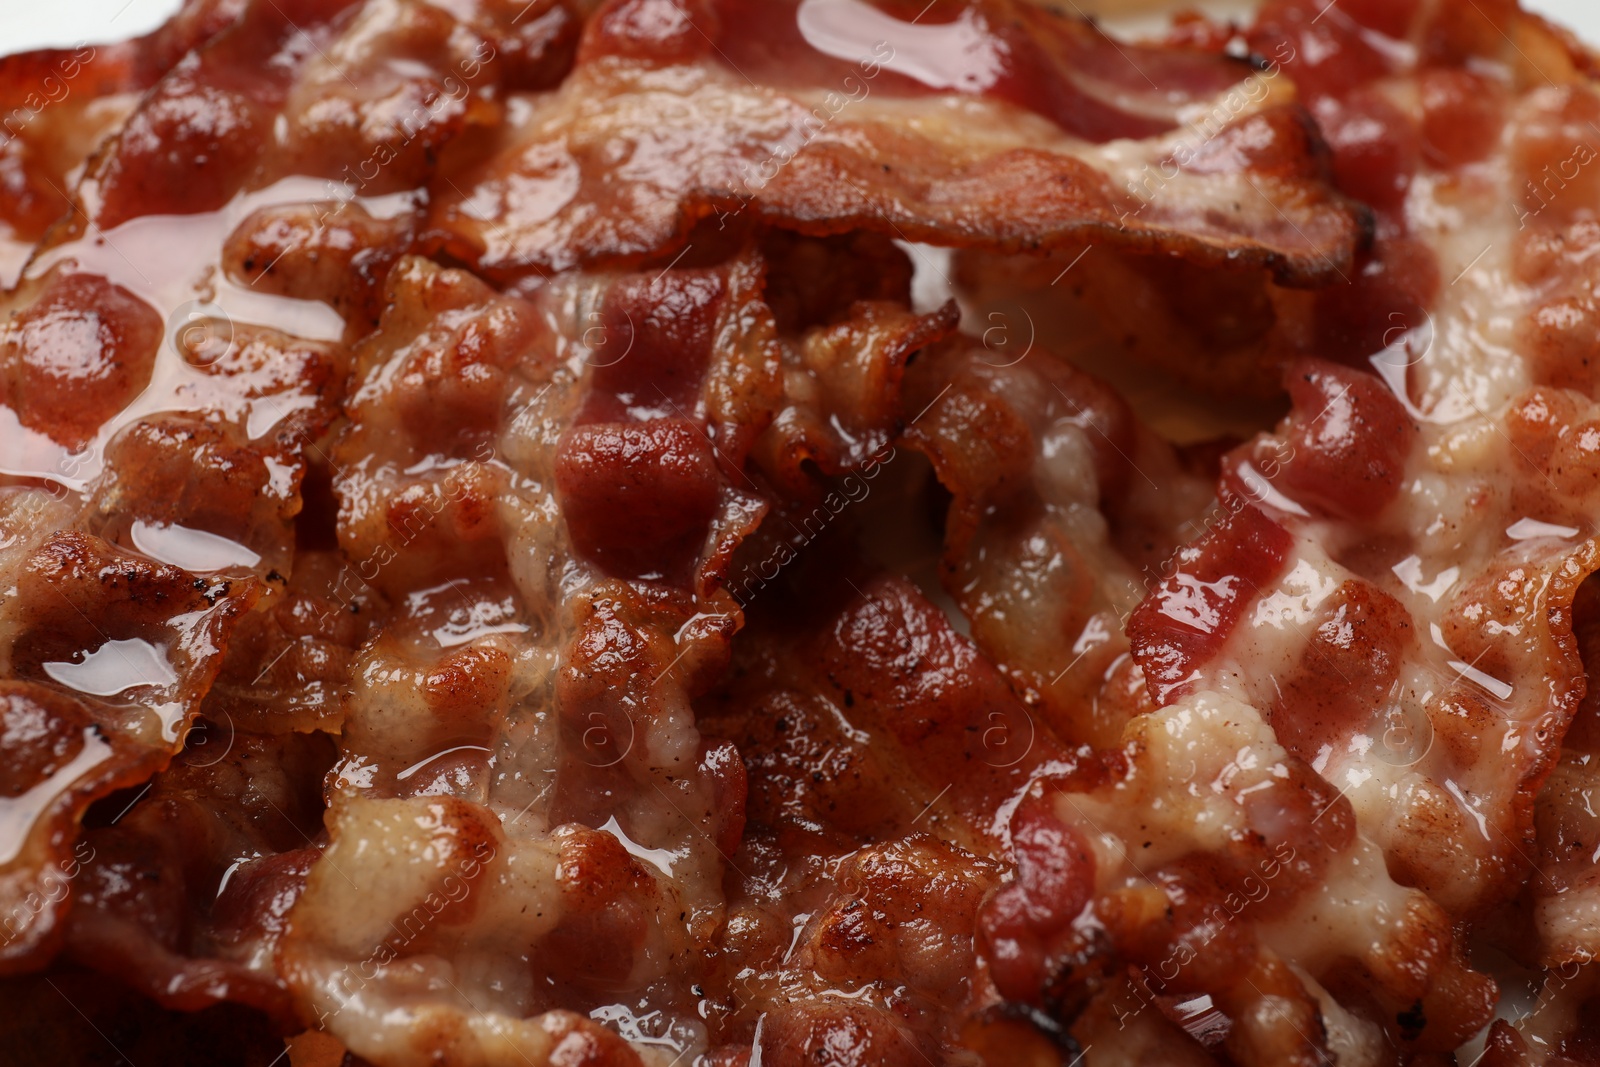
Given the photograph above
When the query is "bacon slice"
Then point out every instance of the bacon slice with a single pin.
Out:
(107, 656)
(534, 674)
(879, 744)
(1028, 551)
(57, 105)
(1402, 615)
(175, 431)
(416, 397)
(654, 132)
(1061, 506)
(186, 895)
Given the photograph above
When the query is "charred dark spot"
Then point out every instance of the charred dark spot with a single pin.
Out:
(1412, 1022)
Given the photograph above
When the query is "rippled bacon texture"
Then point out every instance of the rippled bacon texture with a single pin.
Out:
(658, 127)
(512, 557)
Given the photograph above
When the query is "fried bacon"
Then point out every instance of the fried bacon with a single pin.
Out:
(188, 891)
(509, 563)
(107, 657)
(188, 442)
(1058, 497)
(1391, 575)
(1399, 610)
(657, 128)
(878, 743)
(551, 523)
(58, 105)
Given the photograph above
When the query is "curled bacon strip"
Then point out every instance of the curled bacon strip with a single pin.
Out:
(652, 133)
(107, 657)
(414, 399)
(57, 105)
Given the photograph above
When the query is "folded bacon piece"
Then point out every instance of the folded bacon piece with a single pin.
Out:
(1390, 574)
(657, 129)
(1061, 507)
(1556, 420)
(1229, 335)
(1395, 668)
(1237, 884)
(58, 105)
(879, 744)
(548, 490)
(1393, 575)
(1032, 452)
(142, 367)
(185, 896)
(106, 657)
(1197, 859)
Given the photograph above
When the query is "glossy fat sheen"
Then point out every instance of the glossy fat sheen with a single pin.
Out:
(497, 570)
